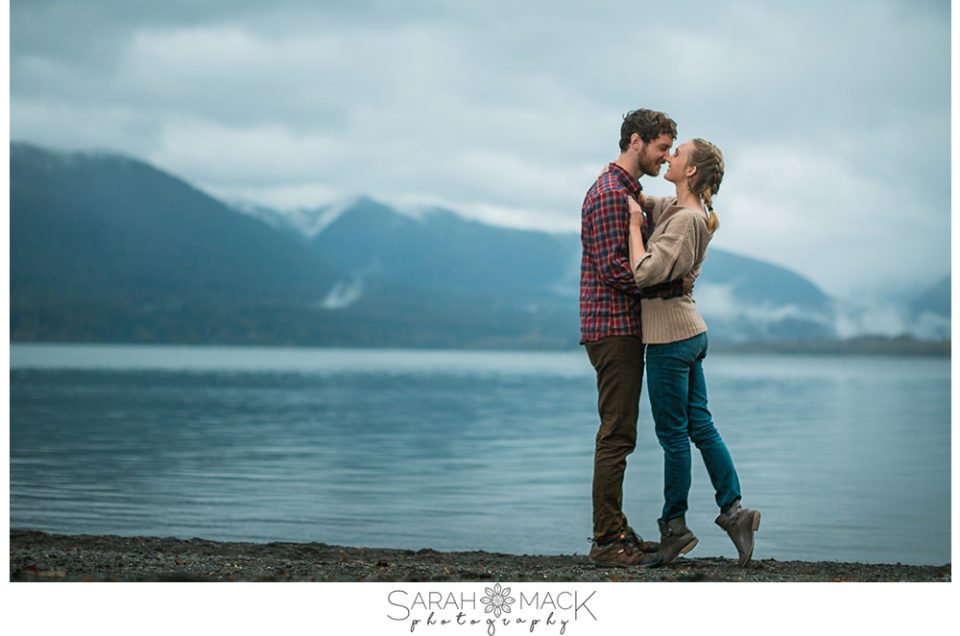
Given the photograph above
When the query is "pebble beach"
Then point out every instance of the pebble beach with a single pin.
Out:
(40, 556)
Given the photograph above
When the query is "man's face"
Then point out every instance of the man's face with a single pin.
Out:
(653, 154)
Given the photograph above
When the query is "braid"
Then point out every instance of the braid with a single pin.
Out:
(706, 180)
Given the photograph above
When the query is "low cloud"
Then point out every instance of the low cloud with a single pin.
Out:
(721, 301)
(885, 318)
(846, 318)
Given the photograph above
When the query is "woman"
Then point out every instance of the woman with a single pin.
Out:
(676, 340)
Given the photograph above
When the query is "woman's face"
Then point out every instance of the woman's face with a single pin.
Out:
(677, 170)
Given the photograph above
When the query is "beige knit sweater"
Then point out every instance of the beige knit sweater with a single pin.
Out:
(677, 247)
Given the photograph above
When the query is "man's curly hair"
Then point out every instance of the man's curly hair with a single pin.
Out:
(649, 124)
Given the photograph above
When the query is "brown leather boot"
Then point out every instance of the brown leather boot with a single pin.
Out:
(675, 538)
(740, 524)
(643, 546)
(622, 551)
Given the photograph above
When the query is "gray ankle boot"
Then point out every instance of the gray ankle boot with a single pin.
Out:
(740, 524)
(675, 538)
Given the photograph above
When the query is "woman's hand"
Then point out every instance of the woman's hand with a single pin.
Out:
(635, 247)
(636, 210)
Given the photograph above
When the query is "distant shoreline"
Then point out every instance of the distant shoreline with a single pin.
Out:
(39, 556)
(866, 345)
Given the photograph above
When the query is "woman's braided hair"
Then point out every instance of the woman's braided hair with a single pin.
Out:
(705, 182)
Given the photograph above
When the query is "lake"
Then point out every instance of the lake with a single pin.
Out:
(847, 457)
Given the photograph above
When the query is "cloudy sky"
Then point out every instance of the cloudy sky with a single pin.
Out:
(834, 117)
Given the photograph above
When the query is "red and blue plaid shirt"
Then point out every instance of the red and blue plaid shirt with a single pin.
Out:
(609, 296)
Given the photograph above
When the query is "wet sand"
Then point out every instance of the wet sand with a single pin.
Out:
(39, 556)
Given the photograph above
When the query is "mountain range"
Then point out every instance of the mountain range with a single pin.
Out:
(108, 248)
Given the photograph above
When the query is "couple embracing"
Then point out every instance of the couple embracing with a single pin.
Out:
(640, 257)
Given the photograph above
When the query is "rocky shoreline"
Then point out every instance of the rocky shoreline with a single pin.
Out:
(40, 556)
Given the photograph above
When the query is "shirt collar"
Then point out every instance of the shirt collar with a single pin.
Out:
(633, 185)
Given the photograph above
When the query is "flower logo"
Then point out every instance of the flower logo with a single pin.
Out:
(497, 600)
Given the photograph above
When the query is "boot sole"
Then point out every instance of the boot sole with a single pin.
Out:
(617, 564)
(756, 524)
(610, 564)
(690, 546)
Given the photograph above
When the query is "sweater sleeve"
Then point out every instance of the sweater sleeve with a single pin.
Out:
(671, 253)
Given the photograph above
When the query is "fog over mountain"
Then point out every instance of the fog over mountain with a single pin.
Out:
(108, 248)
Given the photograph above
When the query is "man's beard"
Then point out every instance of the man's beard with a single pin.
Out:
(651, 168)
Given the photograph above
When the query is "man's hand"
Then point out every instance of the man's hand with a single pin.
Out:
(688, 284)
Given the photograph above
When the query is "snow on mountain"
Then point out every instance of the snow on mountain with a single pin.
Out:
(343, 294)
(310, 222)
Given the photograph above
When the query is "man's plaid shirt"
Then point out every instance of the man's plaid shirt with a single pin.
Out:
(609, 296)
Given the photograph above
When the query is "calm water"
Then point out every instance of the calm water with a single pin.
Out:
(847, 457)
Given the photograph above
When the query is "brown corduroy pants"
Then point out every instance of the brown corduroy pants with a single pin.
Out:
(618, 361)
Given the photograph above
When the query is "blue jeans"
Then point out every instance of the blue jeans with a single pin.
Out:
(678, 399)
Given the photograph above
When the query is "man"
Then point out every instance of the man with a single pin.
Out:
(610, 328)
